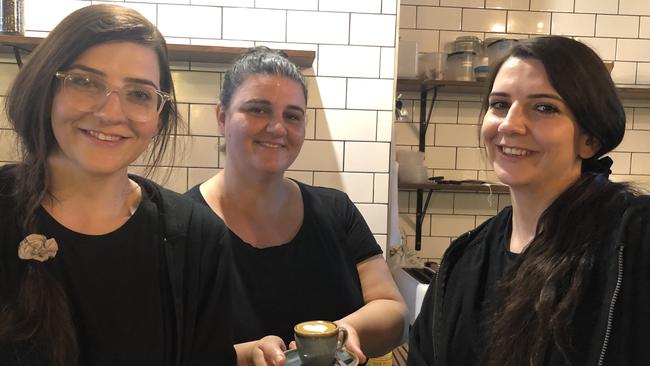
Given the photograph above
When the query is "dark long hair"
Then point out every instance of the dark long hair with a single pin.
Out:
(40, 312)
(541, 293)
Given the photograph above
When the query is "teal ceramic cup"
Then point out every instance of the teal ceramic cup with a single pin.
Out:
(318, 341)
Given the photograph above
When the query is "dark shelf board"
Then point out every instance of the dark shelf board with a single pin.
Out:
(451, 86)
(180, 52)
(478, 87)
(494, 188)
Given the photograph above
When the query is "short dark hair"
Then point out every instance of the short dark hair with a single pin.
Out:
(582, 80)
(259, 60)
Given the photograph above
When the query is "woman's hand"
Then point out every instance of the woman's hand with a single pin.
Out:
(353, 345)
(268, 351)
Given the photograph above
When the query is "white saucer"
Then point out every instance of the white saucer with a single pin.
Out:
(344, 358)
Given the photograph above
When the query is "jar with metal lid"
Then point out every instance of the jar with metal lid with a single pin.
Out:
(460, 66)
(467, 44)
(12, 19)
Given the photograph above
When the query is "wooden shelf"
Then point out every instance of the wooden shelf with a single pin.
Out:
(179, 52)
(432, 186)
(478, 87)
(451, 86)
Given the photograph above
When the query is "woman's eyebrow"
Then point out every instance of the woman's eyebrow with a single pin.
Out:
(544, 95)
(103, 74)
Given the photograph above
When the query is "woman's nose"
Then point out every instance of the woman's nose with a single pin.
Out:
(514, 122)
(276, 125)
(111, 110)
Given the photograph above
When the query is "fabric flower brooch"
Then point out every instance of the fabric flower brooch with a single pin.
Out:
(37, 247)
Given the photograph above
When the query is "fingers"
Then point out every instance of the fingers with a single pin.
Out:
(353, 344)
(269, 351)
(292, 345)
(354, 348)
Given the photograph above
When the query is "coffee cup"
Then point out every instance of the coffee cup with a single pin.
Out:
(318, 341)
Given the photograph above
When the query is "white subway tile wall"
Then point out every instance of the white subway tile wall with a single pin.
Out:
(257, 24)
(617, 26)
(356, 185)
(357, 6)
(317, 27)
(508, 4)
(551, 5)
(372, 30)
(644, 28)
(634, 7)
(619, 33)
(439, 18)
(624, 72)
(407, 17)
(484, 20)
(50, 13)
(604, 47)
(643, 73)
(387, 63)
(342, 124)
(529, 22)
(567, 24)
(288, 4)
(205, 21)
(596, 6)
(351, 85)
(427, 40)
(363, 61)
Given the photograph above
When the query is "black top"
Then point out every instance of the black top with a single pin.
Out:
(481, 305)
(119, 285)
(114, 287)
(611, 321)
(314, 276)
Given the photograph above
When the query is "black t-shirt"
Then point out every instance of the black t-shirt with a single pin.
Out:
(118, 284)
(480, 305)
(116, 308)
(312, 277)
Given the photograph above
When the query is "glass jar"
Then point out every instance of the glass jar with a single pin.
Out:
(12, 17)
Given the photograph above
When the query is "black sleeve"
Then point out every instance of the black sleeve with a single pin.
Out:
(195, 194)
(631, 327)
(360, 239)
(421, 337)
(208, 339)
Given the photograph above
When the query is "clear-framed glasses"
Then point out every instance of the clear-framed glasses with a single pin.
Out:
(88, 93)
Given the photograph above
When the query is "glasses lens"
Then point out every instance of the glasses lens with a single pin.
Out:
(139, 103)
(88, 93)
(85, 91)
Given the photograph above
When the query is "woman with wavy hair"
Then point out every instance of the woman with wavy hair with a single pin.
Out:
(98, 266)
(562, 276)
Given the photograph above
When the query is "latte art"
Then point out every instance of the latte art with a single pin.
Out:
(316, 327)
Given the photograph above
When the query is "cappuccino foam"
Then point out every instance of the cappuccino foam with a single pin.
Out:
(317, 327)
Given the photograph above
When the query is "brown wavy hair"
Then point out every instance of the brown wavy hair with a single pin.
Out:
(39, 314)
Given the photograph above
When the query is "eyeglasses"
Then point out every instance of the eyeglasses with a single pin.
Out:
(88, 93)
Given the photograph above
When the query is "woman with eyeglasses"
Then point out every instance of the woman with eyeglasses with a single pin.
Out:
(99, 267)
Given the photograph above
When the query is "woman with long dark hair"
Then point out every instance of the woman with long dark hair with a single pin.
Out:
(561, 277)
(97, 266)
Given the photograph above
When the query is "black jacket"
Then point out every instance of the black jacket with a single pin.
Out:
(622, 335)
(196, 262)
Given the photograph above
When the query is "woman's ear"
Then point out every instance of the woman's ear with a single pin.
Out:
(221, 118)
(588, 146)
